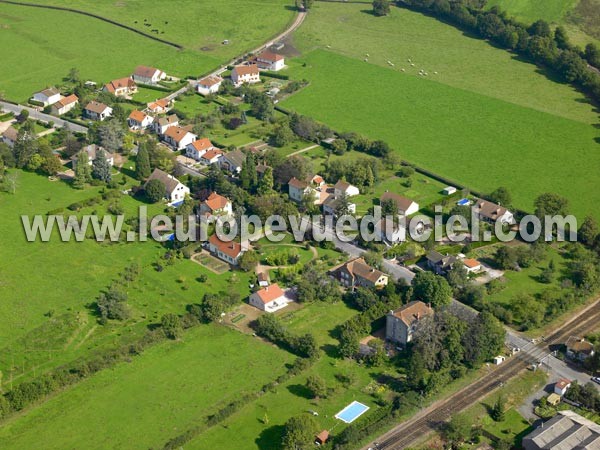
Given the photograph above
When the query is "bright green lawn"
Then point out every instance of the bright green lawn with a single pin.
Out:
(161, 393)
(466, 63)
(43, 52)
(475, 139)
(531, 10)
(198, 25)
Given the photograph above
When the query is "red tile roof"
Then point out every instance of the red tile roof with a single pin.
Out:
(413, 312)
(471, 263)
(270, 56)
(119, 84)
(96, 107)
(202, 144)
(270, 293)
(210, 81)
(246, 70)
(145, 71)
(176, 133)
(211, 154)
(138, 116)
(216, 201)
(232, 249)
(66, 101)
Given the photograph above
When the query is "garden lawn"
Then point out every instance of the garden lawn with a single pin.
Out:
(144, 403)
(474, 139)
(43, 53)
(531, 10)
(198, 25)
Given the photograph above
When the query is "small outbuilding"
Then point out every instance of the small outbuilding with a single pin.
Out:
(322, 437)
(499, 360)
(449, 190)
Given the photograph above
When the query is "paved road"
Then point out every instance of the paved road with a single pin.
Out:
(34, 114)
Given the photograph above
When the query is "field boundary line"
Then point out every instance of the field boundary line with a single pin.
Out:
(95, 16)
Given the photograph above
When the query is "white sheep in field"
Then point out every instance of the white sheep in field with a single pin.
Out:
(435, 73)
(402, 70)
(412, 64)
(366, 59)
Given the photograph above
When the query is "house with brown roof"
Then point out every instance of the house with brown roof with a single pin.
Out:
(178, 137)
(357, 273)
(297, 189)
(97, 111)
(47, 97)
(9, 137)
(229, 252)
(402, 323)
(139, 120)
(248, 74)
(199, 147)
(472, 265)
(121, 87)
(269, 60)
(439, 263)
(232, 161)
(405, 206)
(269, 299)
(161, 106)
(209, 85)
(492, 213)
(164, 123)
(148, 75)
(579, 348)
(64, 105)
(322, 437)
(343, 187)
(175, 190)
(561, 386)
(216, 205)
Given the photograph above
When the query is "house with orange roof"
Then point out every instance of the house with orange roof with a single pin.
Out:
(472, 265)
(229, 252)
(248, 74)
(268, 60)
(179, 137)
(216, 205)
(402, 323)
(139, 120)
(212, 156)
(198, 148)
(161, 106)
(64, 105)
(209, 85)
(121, 87)
(148, 75)
(269, 299)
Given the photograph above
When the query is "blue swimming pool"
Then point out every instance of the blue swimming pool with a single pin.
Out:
(463, 202)
(352, 412)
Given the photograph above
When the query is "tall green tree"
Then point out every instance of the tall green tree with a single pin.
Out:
(381, 7)
(101, 169)
(431, 288)
(265, 185)
(155, 190)
(550, 204)
(142, 163)
(299, 433)
(111, 135)
(83, 171)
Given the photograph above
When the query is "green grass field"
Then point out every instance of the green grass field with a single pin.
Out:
(531, 10)
(484, 131)
(143, 404)
(197, 25)
(44, 52)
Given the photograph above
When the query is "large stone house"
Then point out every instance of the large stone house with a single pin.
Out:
(268, 60)
(402, 323)
(357, 273)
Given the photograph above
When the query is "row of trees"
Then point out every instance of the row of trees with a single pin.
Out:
(270, 327)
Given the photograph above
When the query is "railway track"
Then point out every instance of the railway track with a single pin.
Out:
(432, 418)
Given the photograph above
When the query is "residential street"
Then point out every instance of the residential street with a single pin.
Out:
(58, 122)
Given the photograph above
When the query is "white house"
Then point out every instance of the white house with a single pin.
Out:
(331, 204)
(472, 265)
(248, 74)
(139, 120)
(269, 299)
(211, 157)
(178, 137)
(270, 61)
(343, 187)
(97, 111)
(198, 148)
(405, 206)
(148, 75)
(92, 150)
(229, 252)
(175, 191)
(47, 96)
(9, 137)
(64, 105)
(232, 161)
(209, 85)
(164, 123)
(121, 87)
(491, 212)
(561, 386)
(297, 189)
(216, 205)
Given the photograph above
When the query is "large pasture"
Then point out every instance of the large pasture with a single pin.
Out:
(534, 138)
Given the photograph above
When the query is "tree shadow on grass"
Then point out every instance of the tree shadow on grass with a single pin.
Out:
(300, 390)
(270, 438)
